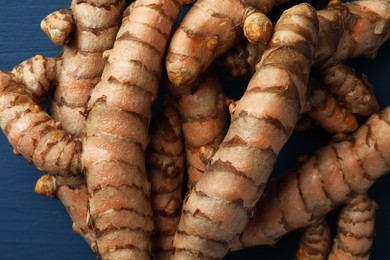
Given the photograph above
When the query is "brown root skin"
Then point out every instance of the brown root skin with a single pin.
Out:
(351, 90)
(327, 112)
(194, 46)
(58, 26)
(34, 134)
(315, 242)
(165, 168)
(356, 229)
(346, 30)
(324, 182)
(119, 113)
(204, 119)
(212, 218)
(85, 38)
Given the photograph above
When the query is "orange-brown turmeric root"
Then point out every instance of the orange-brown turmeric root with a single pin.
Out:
(34, 134)
(218, 207)
(88, 29)
(72, 192)
(356, 229)
(119, 112)
(351, 90)
(327, 112)
(208, 30)
(315, 242)
(165, 168)
(324, 182)
(204, 119)
(346, 30)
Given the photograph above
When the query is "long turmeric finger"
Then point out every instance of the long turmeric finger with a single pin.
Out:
(33, 133)
(194, 45)
(355, 229)
(204, 119)
(315, 242)
(327, 112)
(324, 182)
(119, 113)
(213, 217)
(165, 167)
(353, 91)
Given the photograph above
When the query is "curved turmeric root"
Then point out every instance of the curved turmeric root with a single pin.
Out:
(315, 242)
(327, 112)
(34, 134)
(324, 182)
(194, 46)
(119, 112)
(353, 91)
(356, 229)
(204, 119)
(165, 167)
(213, 218)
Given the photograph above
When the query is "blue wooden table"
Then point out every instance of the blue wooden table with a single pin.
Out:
(35, 227)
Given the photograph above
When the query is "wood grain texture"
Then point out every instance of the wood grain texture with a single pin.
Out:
(33, 227)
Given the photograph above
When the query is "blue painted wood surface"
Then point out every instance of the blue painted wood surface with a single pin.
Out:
(34, 227)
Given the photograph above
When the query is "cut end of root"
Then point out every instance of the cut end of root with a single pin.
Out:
(46, 186)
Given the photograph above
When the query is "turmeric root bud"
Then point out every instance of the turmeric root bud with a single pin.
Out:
(258, 28)
(58, 26)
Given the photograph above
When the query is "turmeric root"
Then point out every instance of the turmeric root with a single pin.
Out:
(119, 112)
(34, 134)
(204, 118)
(346, 30)
(315, 242)
(324, 182)
(194, 46)
(92, 27)
(213, 218)
(356, 229)
(165, 167)
(353, 91)
(327, 112)
(72, 192)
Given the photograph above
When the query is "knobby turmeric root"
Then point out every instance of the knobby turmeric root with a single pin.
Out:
(87, 29)
(194, 46)
(351, 90)
(204, 119)
(165, 168)
(315, 242)
(212, 218)
(355, 230)
(325, 181)
(34, 134)
(119, 112)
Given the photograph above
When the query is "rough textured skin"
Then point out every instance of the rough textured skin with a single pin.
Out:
(165, 168)
(327, 112)
(353, 91)
(315, 242)
(346, 30)
(204, 119)
(91, 27)
(119, 112)
(194, 45)
(218, 207)
(356, 229)
(33, 133)
(325, 181)
(72, 192)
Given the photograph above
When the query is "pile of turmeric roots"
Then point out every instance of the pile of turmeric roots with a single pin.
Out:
(192, 179)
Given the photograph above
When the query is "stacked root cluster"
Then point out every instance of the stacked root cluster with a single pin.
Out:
(193, 180)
